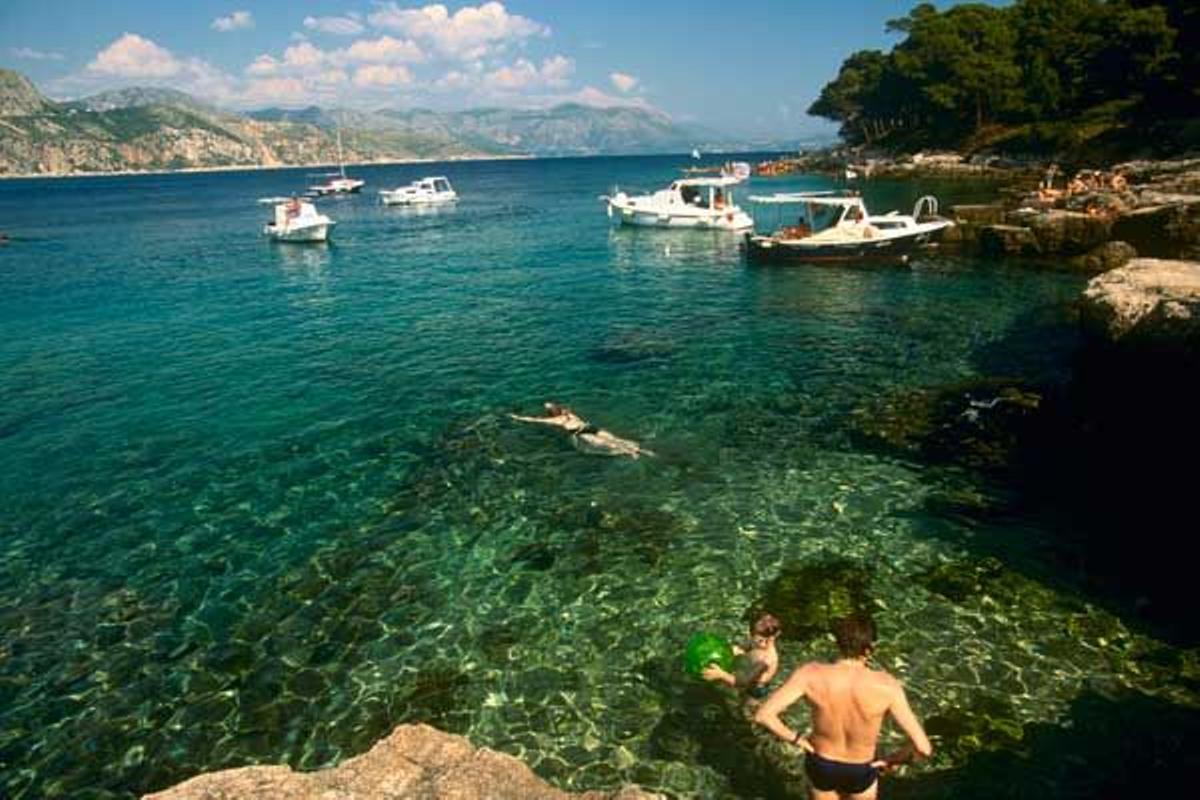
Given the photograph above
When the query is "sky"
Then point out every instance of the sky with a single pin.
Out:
(750, 67)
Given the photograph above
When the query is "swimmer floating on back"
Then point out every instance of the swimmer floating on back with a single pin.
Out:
(585, 434)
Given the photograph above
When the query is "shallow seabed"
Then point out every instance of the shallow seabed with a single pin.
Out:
(263, 503)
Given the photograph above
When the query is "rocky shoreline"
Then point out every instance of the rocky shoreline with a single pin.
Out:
(415, 762)
(1152, 210)
(257, 167)
(1155, 212)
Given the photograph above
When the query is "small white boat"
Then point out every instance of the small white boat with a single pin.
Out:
(831, 227)
(427, 191)
(686, 203)
(337, 182)
(296, 220)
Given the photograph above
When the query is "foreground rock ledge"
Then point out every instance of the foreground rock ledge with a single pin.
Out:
(415, 762)
(1149, 302)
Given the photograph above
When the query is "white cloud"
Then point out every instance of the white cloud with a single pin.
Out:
(35, 55)
(275, 91)
(304, 59)
(263, 65)
(624, 82)
(131, 56)
(591, 96)
(457, 79)
(377, 76)
(237, 21)
(348, 25)
(384, 50)
(523, 75)
(469, 33)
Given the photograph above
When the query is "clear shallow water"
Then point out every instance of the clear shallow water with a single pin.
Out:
(263, 503)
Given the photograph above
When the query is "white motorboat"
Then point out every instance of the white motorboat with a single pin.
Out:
(427, 191)
(337, 182)
(832, 227)
(686, 203)
(296, 220)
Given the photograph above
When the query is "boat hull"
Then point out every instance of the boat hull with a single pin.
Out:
(395, 200)
(767, 249)
(307, 234)
(650, 218)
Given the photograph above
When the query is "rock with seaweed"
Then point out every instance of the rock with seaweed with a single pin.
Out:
(1137, 746)
(806, 596)
(981, 424)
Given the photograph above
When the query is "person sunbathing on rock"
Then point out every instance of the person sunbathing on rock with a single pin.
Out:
(584, 435)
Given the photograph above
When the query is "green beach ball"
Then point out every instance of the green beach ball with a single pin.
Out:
(704, 649)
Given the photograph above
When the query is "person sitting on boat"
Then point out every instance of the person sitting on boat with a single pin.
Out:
(293, 207)
(718, 199)
(585, 435)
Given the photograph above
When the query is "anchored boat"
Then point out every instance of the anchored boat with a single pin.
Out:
(427, 191)
(296, 220)
(831, 227)
(337, 182)
(686, 203)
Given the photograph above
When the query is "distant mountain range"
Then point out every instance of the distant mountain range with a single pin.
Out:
(152, 129)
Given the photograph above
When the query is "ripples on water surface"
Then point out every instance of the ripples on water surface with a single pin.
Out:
(263, 503)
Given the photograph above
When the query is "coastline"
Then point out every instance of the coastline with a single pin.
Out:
(375, 163)
(258, 167)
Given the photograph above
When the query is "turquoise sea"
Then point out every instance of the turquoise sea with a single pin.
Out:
(262, 503)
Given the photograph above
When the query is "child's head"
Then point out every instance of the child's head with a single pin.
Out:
(765, 627)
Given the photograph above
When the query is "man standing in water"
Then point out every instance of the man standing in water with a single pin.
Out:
(848, 702)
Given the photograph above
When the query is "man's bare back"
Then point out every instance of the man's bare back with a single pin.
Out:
(849, 702)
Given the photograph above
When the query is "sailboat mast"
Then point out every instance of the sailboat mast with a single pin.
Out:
(341, 161)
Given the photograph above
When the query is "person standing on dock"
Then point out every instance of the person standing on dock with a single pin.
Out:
(849, 702)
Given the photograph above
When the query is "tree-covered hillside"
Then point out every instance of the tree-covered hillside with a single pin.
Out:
(1062, 76)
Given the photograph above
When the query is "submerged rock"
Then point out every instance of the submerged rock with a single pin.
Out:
(415, 762)
(981, 424)
(988, 722)
(807, 596)
(959, 581)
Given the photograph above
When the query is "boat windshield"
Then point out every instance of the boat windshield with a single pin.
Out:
(441, 185)
(821, 217)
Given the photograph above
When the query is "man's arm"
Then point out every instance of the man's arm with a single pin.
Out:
(792, 690)
(542, 420)
(907, 720)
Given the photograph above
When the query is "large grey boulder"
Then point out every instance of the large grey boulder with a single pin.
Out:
(1169, 227)
(416, 762)
(1068, 232)
(1109, 255)
(1149, 302)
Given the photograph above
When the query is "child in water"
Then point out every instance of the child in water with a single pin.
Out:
(756, 661)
